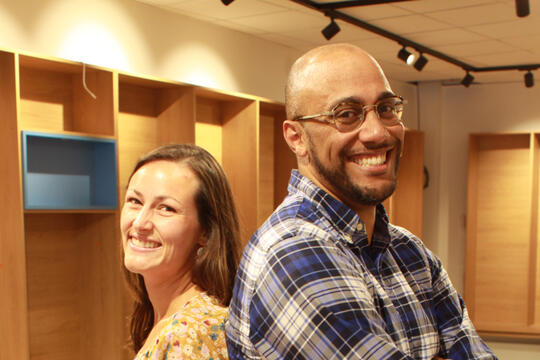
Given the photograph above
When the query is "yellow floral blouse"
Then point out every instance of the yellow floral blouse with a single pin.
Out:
(197, 331)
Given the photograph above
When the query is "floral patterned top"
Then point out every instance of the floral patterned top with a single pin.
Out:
(197, 331)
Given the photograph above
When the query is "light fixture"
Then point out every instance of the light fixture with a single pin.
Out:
(467, 80)
(226, 2)
(406, 56)
(522, 8)
(529, 79)
(330, 30)
(421, 62)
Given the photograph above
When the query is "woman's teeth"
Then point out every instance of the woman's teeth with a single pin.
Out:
(144, 244)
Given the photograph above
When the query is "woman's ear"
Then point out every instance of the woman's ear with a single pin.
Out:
(203, 240)
(293, 132)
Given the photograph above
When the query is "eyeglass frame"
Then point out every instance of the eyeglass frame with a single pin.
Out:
(331, 114)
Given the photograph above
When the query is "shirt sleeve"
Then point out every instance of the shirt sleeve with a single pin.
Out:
(459, 339)
(309, 305)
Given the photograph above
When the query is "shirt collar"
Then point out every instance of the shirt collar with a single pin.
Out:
(341, 216)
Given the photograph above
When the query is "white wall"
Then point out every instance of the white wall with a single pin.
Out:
(447, 116)
(134, 37)
(131, 36)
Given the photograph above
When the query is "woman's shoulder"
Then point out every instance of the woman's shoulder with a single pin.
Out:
(202, 306)
(195, 331)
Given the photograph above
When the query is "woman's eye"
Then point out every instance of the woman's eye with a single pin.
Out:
(167, 208)
(133, 201)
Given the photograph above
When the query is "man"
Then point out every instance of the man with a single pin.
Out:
(327, 277)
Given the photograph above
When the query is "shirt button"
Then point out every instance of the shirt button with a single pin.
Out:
(360, 226)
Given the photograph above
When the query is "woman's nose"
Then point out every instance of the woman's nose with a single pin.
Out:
(143, 220)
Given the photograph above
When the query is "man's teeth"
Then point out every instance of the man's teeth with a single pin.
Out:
(144, 244)
(371, 161)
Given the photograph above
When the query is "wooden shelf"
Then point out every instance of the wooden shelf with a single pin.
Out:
(73, 286)
(150, 114)
(52, 97)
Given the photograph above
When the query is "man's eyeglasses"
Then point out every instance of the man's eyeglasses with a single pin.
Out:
(348, 116)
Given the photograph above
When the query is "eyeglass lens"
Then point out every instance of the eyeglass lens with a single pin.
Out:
(350, 115)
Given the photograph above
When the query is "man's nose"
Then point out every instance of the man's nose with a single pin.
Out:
(372, 129)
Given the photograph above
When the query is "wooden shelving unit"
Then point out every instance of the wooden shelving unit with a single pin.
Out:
(60, 266)
(502, 268)
(405, 206)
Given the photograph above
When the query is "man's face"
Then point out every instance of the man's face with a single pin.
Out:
(358, 167)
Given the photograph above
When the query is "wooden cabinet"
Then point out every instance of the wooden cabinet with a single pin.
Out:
(61, 291)
(502, 272)
(65, 253)
(405, 206)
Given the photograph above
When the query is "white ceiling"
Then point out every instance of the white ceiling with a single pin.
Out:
(481, 33)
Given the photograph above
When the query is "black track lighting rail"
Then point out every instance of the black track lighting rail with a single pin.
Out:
(329, 10)
(353, 3)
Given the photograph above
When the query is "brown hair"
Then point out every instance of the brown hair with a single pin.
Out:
(215, 267)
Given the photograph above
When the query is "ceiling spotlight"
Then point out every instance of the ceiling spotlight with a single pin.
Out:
(522, 8)
(226, 2)
(421, 62)
(529, 79)
(406, 56)
(467, 80)
(330, 30)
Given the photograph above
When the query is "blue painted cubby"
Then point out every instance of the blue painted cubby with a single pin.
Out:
(67, 172)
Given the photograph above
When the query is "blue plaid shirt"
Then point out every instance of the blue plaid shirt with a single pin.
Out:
(310, 286)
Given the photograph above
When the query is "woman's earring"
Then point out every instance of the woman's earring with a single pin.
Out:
(200, 251)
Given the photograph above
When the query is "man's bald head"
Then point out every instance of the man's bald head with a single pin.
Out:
(314, 65)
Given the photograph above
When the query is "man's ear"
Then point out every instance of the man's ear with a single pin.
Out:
(294, 135)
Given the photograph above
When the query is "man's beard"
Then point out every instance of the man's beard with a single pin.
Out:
(345, 188)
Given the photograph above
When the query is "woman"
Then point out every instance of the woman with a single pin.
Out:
(180, 238)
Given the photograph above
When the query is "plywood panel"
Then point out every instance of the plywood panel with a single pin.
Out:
(46, 100)
(208, 127)
(406, 204)
(240, 159)
(13, 310)
(176, 119)
(74, 287)
(535, 231)
(265, 168)
(54, 285)
(93, 116)
(472, 203)
(150, 117)
(502, 230)
(137, 134)
(103, 332)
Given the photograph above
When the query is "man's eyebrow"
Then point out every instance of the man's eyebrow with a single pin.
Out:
(357, 100)
(386, 94)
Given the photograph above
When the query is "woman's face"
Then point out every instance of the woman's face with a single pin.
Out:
(159, 221)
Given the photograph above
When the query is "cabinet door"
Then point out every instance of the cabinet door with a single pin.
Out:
(501, 239)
